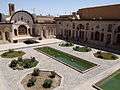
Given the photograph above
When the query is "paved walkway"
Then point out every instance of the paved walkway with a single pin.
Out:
(23, 45)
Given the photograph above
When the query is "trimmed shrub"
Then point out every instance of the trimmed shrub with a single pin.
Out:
(47, 83)
(36, 72)
(27, 64)
(13, 63)
(30, 41)
(10, 50)
(67, 44)
(82, 49)
(99, 56)
(53, 74)
(20, 59)
(31, 82)
(113, 57)
(24, 63)
(98, 52)
(33, 59)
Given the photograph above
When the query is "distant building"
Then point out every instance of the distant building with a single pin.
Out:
(96, 26)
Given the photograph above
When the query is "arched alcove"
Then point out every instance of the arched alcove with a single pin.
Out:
(22, 30)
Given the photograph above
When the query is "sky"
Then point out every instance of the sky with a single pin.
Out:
(53, 7)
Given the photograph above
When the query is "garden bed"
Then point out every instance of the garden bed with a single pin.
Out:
(41, 81)
(29, 41)
(21, 64)
(66, 44)
(12, 54)
(105, 55)
(67, 59)
(82, 49)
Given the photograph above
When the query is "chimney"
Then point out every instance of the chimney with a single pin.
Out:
(11, 9)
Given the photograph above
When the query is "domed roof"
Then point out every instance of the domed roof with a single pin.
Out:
(21, 11)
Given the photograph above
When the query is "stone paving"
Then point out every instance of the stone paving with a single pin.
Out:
(23, 45)
(71, 79)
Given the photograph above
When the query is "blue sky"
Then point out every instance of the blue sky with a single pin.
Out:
(53, 7)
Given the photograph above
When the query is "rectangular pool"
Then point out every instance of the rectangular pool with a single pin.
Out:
(67, 59)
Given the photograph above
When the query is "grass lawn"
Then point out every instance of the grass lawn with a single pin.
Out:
(12, 54)
(106, 55)
(72, 61)
(81, 49)
(110, 83)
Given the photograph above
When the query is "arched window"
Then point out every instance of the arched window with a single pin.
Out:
(87, 26)
(22, 18)
(82, 35)
(80, 26)
(118, 30)
(92, 28)
(97, 26)
(44, 33)
(22, 30)
(69, 33)
(110, 28)
(118, 39)
(73, 25)
(49, 32)
(97, 35)
(0, 35)
(92, 35)
(7, 36)
(28, 21)
(33, 31)
(15, 32)
(102, 37)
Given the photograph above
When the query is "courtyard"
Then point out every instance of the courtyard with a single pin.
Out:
(71, 79)
(49, 45)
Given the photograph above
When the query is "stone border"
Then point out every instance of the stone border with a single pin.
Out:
(68, 64)
(96, 87)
